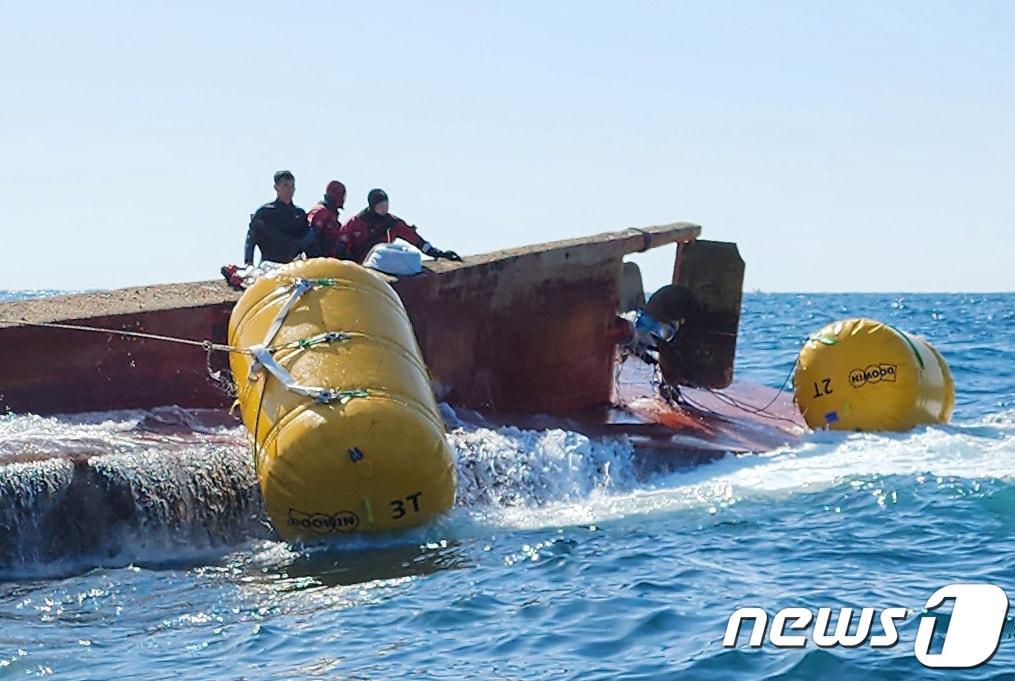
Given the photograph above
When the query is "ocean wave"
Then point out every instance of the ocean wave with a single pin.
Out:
(128, 486)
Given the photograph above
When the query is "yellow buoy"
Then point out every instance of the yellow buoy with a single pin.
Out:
(860, 374)
(346, 430)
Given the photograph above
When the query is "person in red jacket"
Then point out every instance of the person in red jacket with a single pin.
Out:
(324, 220)
(375, 225)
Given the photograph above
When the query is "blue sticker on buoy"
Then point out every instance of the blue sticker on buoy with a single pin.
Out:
(831, 417)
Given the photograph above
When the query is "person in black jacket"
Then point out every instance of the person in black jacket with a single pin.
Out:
(279, 229)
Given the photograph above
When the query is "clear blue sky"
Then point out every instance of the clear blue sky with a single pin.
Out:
(845, 146)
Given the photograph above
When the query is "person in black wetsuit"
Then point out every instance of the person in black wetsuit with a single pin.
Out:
(279, 229)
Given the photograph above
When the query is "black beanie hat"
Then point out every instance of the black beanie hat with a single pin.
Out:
(376, 196)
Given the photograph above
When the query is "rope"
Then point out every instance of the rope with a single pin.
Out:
(751, 409)
(619, 367)
(673, 396)
(683, 400)
(311, 341)
(646, 238)
(265, 361)
(747, 408)
(264, 354)
(207, 345)
(298, 288)
(257, 430)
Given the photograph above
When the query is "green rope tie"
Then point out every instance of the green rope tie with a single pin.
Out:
(311, 341)
(343, 397)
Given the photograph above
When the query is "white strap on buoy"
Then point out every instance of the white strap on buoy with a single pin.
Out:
(300, 286)
(264, 360)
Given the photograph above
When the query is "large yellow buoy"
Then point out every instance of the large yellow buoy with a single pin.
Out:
(860, 374)
(346, 430)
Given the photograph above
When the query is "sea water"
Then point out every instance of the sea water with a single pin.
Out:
(560, 561)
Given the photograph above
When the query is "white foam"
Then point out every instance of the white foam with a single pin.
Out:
(511, 466)
(575, 492)
(510, 478)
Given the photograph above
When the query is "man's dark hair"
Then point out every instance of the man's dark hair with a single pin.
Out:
(284, 175)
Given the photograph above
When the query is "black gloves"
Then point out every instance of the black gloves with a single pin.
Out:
(438, 253)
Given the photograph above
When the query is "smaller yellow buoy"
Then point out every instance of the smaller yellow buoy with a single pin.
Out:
(860, 374)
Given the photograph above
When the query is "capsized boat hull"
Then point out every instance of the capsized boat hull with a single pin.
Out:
(524, 337)
(525, 329)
